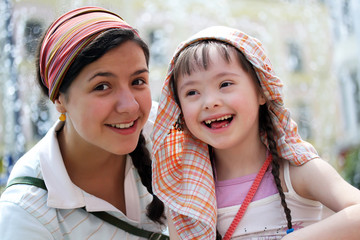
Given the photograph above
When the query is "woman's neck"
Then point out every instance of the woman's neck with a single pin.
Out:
(95, 171)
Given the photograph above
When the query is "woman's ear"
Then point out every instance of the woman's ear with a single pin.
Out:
(59, 104)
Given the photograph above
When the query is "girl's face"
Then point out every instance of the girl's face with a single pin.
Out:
(220, 105)
(109, 102)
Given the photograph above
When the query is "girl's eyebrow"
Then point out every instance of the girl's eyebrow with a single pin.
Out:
(189, 83)
(219, 75)
(226, 74)
(109, 74)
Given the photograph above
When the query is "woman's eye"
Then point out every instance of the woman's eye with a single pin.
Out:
(101, 87)
(139, 81)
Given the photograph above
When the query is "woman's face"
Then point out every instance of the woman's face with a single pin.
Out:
(109, 102)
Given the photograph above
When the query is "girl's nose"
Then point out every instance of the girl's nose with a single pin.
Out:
(211, 101)
(126, 102)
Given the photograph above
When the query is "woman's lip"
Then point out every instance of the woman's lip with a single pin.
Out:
(123, 124)
(125, 127)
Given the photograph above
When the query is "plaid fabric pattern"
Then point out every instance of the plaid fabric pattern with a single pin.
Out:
(67, 36)
(182, 172)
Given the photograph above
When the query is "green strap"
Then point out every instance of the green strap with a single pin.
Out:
(28, 181)
(102, 215)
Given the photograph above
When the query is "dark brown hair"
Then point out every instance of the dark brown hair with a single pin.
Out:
(106, 41)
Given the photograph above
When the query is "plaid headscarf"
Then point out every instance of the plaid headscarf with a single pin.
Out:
(182, 172)
(67, 36)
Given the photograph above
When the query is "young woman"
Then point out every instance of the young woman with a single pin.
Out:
(223, 142)
(94, 67)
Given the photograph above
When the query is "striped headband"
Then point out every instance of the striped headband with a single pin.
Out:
(182, 172)
(67, 36)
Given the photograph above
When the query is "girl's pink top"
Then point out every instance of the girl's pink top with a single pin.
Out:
(233, 191)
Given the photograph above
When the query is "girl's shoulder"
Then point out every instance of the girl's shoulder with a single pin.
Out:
(318, 180)
(309, 173)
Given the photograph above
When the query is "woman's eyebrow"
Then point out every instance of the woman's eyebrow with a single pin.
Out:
(109, 74)
(101, 74)
(138, 72)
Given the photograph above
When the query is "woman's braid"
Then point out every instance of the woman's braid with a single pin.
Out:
(142, 162)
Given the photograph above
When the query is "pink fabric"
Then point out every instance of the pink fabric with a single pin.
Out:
(265, 218)
(67, 36)
(233, 191)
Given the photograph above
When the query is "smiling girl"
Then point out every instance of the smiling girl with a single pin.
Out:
(229, 162)
(90, 176)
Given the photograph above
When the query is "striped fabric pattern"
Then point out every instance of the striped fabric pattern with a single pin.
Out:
(73, 223)
(67, 36)
(182, 173)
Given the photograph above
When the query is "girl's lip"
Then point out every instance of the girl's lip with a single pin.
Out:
(219, 122)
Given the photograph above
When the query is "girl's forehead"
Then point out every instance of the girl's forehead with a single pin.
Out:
(200, 55)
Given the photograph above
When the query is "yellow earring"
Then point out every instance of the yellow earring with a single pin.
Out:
(62, 117)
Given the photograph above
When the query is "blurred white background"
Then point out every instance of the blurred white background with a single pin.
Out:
(313, 45)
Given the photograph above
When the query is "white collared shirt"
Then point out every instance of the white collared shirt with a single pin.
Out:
(27, 212)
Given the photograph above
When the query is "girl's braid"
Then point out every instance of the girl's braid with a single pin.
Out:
(218, 236)
(269, 128)
(142, 162)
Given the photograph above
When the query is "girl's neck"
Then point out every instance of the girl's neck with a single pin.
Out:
(240, 161)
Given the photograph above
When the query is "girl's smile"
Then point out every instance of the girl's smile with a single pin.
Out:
(219, 122)
(220, 104)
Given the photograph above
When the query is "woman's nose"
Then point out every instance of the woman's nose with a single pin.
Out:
(126, 102)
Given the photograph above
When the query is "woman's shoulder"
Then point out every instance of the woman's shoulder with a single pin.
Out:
(19, 222)
(30, 163)
(27, 165)
(25, 206)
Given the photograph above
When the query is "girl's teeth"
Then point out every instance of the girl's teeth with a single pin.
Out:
(218, 119)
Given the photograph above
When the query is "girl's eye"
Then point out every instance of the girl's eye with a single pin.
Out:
(139, 81)
(101, 87)
(191, 93)
(225, 84)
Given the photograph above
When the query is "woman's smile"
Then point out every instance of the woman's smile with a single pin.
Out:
(124, 128)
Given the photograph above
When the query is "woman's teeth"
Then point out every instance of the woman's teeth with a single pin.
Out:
(122, 125)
